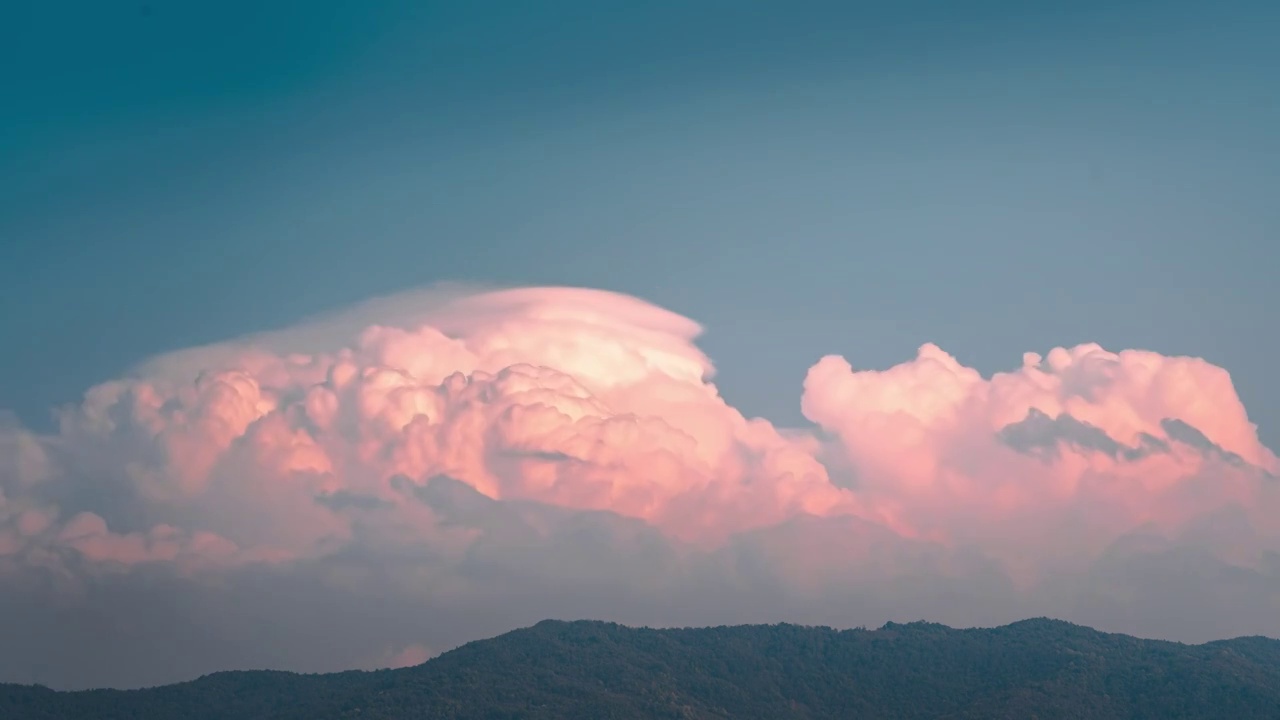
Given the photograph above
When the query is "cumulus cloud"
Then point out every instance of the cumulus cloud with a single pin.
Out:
(430, 468)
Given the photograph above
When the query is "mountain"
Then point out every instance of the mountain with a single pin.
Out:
(1032, 669)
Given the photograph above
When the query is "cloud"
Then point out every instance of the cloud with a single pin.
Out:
(1038, 433)
(408, 656)
(429, 468)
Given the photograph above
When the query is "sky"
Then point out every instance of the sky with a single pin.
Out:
(244, 248)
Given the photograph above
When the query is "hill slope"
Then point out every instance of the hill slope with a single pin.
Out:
(1035, 668)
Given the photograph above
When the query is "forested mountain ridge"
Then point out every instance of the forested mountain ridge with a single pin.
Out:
(1034, 668)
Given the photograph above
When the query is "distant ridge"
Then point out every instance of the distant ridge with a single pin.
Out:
(1036, 668)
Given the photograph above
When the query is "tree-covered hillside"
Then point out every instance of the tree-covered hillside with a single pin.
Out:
(1031, 669)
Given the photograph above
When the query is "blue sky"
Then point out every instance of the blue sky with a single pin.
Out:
(802, 178)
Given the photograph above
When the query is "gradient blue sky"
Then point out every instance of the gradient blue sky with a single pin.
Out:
(803, 178)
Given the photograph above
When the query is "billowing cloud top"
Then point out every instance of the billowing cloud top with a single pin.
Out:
(428, 468)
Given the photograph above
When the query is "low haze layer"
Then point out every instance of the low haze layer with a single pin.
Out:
(373, 487)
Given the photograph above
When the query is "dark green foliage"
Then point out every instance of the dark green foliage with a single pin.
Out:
(1033, 669)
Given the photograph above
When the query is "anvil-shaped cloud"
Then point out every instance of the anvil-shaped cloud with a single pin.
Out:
(433, 467)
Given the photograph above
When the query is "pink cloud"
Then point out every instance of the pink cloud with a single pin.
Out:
(583, 399)
(299, 446)
(592, 400)
(936, 444)
(408, 656)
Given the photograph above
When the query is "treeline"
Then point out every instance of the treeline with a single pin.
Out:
(564, 670)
